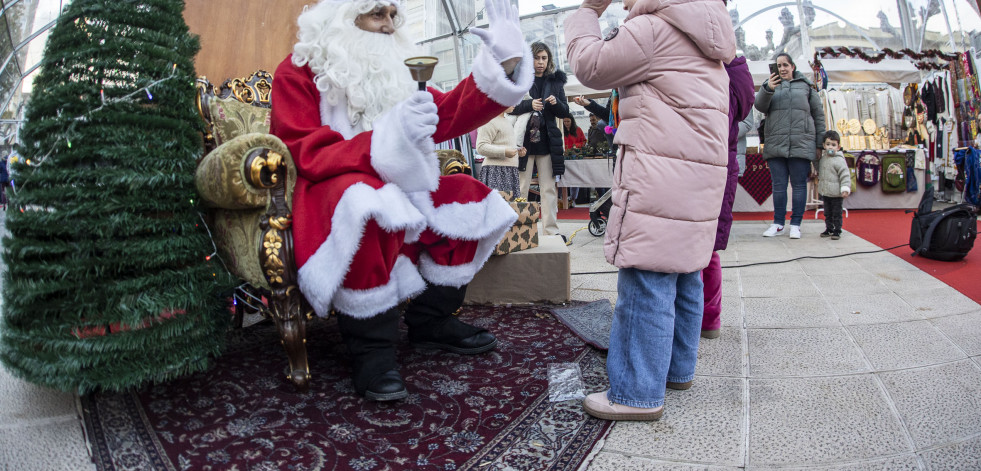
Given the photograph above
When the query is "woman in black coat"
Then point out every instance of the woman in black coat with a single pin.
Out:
(543, 136)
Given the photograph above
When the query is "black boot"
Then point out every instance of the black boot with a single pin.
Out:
(371, 343)
(432, 323)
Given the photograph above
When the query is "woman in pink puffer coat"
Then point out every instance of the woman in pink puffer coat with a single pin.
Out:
(667, 63)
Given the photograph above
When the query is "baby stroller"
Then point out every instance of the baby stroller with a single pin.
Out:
(598, 212)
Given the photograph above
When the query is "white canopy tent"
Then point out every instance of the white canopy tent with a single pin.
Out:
(892, 71)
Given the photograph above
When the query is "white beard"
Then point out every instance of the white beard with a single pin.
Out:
(365, 70)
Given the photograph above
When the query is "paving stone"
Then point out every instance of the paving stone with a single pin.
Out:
(883, 261)
(907, 280)
(899, 463)
(731, 287)
(961, 456)
(938, 404)
(722, 356)
(603, 282)
(777, 287)
(732, 310)
(703, 424)
(57, 445)
(872, 309)
(23, 401)
(940, 302)
(831, 266)
(848, 284)
(590, 295)
(799, 421)
(772, 269)
(904, 345)
(803, 352)
(620, 462)
(964, 330)
(773, 253)
(788, 312)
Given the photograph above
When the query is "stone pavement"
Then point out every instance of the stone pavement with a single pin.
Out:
(860, 362)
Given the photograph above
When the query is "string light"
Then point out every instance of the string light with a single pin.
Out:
(105, 102)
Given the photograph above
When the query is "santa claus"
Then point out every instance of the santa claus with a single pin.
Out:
(374, 222)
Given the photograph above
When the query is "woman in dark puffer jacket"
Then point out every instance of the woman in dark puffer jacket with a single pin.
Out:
(548, 105)
(794, 127)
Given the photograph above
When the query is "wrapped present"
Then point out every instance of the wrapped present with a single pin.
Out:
(524, 234)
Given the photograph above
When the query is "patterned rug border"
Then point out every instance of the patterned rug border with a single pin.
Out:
(140, 448)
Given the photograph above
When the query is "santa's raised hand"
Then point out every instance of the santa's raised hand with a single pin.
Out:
(503, 37)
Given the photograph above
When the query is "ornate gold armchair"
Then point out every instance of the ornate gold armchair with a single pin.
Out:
(246, 177)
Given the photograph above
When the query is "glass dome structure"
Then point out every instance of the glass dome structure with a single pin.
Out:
(763, 29)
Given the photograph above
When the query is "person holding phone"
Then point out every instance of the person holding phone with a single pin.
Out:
(794, 129)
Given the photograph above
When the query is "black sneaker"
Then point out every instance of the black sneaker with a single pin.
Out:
(835, 236)
(826, 234)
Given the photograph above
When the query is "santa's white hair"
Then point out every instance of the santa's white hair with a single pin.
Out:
(364, 69)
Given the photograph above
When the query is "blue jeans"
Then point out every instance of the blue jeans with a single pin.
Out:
(654, 337)
(797, 170)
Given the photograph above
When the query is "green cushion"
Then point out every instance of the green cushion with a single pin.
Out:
(232, 118)
(220, 176)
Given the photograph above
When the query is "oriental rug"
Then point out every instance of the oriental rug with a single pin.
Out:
(591, 322)
(482, 412)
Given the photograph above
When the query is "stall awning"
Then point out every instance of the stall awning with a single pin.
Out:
(850, 70)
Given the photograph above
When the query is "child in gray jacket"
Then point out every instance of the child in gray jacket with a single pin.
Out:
(834, 184)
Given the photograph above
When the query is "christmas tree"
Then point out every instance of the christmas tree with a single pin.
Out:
(109, 281)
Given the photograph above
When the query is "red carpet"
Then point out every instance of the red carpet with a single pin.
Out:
(580, 213)
(885, 228)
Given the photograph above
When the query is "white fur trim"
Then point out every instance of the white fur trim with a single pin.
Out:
(336, 117)
(472, 221)
(321, 276)
(485, 221)
(397, 160)
(404, 282)
(491, 79)
(846, 188)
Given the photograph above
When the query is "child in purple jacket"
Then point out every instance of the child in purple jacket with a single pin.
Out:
(741, 98)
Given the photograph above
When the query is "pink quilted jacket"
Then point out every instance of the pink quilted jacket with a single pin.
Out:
(667, 62)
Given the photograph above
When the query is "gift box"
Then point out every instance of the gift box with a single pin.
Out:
(524, 234)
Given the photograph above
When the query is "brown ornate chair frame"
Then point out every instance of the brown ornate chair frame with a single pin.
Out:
(266, 170)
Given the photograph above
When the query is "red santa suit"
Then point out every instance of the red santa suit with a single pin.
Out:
(373, 220)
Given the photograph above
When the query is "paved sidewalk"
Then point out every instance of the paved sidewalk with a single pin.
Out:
(860, 362)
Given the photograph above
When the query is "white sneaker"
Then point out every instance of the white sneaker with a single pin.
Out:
(775, 230)
(795, 232)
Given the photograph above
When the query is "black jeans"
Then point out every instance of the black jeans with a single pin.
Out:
(832, 214)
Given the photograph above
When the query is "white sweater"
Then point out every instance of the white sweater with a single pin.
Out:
(492, 140)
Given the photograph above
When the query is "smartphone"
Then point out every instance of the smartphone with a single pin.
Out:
(774, 70)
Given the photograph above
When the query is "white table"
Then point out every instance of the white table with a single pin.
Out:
(588, 173)
(585, 173)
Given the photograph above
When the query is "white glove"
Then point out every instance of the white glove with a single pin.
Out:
(418, 117)
(503, 35)
(402, 147)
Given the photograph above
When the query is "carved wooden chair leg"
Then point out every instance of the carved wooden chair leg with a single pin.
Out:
(287, 311)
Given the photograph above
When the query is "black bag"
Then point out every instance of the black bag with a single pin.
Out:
(760, 128)
(946, 235)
